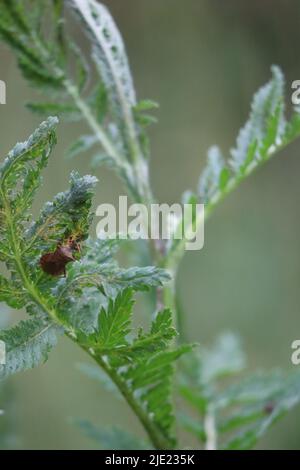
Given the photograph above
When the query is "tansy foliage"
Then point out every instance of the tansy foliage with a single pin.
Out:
(143, 361)
(22, 242)
(27, 345)
(93, 303)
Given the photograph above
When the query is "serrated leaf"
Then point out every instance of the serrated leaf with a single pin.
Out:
(27, 345)
(109, 55)
(39, 77)
(9, 294)
(145, 105)
(82, 144)
(67, 110)
(137, 278)
(32, 149)
(20, 179)
(15, 12)
(212, 178)
(265, 132)
(109, 48)
(151, 378)
(144, 363)
(22, 243)
(103, 278)
(99, 102)
(145, 120)
(68, 213)
(161, 333)
(113, 324)
(292, 129)
(266, 102)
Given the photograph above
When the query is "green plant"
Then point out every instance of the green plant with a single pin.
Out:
(93, 304)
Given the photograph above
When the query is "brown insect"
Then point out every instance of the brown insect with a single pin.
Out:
(269, 407)
(55, 263)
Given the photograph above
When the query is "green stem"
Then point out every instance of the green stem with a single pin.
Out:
(171, 301)
(158, 440)
(98, 130)
(210, 430)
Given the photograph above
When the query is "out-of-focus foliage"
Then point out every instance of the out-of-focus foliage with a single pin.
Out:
(231, 410)
(266, 132)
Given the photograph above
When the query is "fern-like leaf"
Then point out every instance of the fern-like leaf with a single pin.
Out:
(265, 132)
(143, 363)
(27, 345)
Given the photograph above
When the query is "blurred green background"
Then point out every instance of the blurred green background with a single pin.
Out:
(201, 60)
